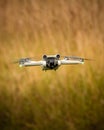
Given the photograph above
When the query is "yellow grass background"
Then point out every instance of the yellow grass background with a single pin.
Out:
(33, 99)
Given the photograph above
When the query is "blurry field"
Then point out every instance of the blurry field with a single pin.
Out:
(71, 98)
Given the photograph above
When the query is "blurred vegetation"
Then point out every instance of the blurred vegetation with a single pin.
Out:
(71, 98)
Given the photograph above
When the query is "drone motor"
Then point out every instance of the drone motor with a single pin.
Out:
(44, 57)
(57, 56)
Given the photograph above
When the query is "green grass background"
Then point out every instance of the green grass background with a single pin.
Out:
(71, 98)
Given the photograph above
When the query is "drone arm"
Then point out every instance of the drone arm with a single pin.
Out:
(32, 63)
(67, 62)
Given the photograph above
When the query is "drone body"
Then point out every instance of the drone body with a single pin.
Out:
(51, 62)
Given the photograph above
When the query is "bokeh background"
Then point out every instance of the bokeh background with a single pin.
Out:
(71, 98)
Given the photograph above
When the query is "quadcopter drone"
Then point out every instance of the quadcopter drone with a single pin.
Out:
(51, 62)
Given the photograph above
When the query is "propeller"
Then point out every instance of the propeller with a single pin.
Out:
(22, 60)
(76, 58)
